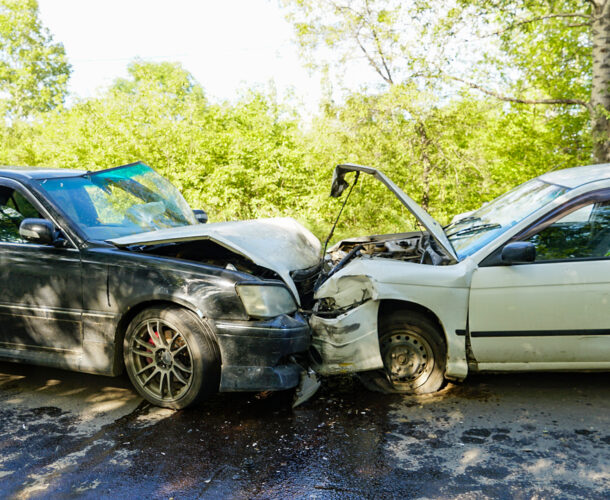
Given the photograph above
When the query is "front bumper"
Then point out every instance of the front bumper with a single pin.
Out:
(255, 353)
(347, 343)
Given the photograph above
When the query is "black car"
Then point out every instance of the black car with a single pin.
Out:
(111, 269)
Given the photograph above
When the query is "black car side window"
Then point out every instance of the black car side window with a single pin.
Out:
(582, 234)
(14, 207)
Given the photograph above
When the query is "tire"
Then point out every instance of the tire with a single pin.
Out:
(413, 352)
(179, 368)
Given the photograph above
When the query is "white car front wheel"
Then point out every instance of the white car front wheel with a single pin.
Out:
(413, 352)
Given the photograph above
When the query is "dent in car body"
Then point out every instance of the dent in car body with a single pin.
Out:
(279, 244)
(404, 267)
(443, 290)
(347, 343)
(254, 353)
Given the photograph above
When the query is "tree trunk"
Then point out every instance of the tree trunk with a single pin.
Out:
(600, 92)
(427, 164)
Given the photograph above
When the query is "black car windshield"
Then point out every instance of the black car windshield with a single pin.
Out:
(120, 201)
(472, 232)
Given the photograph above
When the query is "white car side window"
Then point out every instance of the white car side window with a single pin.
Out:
(582, 234)
(581, 215)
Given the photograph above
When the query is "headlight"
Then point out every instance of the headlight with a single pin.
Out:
(265, 301)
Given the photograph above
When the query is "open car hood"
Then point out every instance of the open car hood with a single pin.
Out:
(432, 226)
(280, 244)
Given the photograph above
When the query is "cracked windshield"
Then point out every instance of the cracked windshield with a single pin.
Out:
(126, 200)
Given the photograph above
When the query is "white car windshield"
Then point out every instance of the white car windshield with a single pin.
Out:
(469, 234)
(120, 201)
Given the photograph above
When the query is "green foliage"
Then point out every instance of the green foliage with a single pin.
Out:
(544, 45)
(242, 160)
(476, 150)
(516, 51)
(33, 69)
(399, 40)
(252, 159)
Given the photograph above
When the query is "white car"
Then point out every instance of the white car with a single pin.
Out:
(521, 284)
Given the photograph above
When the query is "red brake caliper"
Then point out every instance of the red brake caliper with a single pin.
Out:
(150, 341)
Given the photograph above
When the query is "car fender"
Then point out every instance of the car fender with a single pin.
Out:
(443, 290)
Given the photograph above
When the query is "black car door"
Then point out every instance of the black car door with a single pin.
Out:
(40, 285)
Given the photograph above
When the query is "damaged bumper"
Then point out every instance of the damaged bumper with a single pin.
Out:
(346, 343)
(255, 354)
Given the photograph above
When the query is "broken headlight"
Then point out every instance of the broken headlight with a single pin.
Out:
(265, 300)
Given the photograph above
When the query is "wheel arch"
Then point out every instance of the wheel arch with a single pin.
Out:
(388, 306)
(414, 373)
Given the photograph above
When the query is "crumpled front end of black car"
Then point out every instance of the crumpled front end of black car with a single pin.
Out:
(257, 355)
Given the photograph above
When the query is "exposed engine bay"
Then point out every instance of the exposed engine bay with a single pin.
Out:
(207, 252)
(270, 249)
(214, 254)
(417, 247)
(433, 245)
(402, 246)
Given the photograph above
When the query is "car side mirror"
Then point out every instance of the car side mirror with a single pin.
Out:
(519, 252)
(201, 216)
(40, 231)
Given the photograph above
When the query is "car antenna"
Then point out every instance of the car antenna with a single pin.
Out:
(340, 212)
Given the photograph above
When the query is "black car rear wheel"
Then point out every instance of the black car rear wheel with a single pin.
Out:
(413, 352)
(171, 357)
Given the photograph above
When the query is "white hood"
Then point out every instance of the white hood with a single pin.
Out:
(432, 226)
(280, 244)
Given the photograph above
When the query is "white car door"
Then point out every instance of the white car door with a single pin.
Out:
(553, 313)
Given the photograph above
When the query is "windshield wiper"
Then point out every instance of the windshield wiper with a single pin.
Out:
(475, 229)
(470, 218)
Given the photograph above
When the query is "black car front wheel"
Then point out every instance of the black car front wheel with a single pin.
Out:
(171, 357)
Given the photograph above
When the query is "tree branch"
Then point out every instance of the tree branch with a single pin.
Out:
(596, 3)
(578, 25)
(540, 18)
(378, 45)
(386, 77)
(472, 85)
(384, 73)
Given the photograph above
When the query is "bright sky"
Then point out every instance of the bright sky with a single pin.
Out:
(228, 45)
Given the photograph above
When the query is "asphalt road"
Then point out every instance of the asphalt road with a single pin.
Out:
(66, 435)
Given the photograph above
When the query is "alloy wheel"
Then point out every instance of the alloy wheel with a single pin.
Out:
(162, 360)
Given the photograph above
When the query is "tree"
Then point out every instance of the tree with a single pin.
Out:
(600, 89)
(34, 71)
(166, 78)
(392, 36)
(449, 158)
(551, 52)
(239, 160)
(559, 53)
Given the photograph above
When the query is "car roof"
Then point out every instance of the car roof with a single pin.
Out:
(577, 176)
(21, 173)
